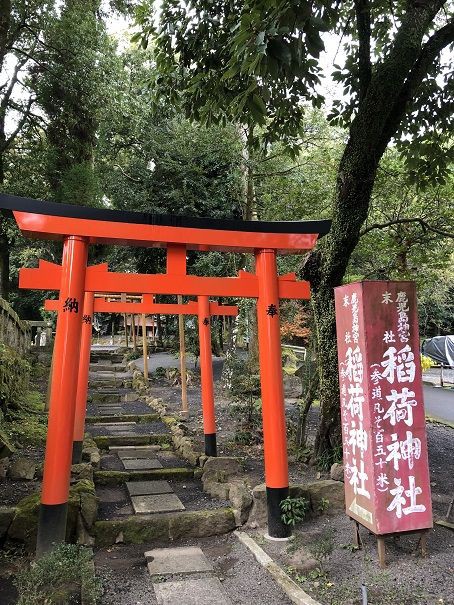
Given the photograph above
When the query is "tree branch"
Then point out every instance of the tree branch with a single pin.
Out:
(12, 84)
(429, 52)
(362, 10)
(131, 178)
(9, 141)
(278, 172)
(425, 226)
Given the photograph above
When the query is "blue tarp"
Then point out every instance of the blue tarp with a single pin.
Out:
(440, 349)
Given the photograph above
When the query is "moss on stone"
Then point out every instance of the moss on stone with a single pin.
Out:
(25, 521)
(134, 530)
(167, 526)
(6, 516)
(200, 523)
(82, 501)
(117, 477)
(125, 418)
(105, 441)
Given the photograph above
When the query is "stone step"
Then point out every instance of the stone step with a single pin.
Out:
(205, 591)
(140, 464)
(125, 418)
(134, 448)
(148, 488)
(141, 529)
(105, 441)
(106, 357)
(105, 397)
(107, 367)
(113, 383)
(178, 560)
(157, 503)
(115, 424)
(116, 477)
(111, 412)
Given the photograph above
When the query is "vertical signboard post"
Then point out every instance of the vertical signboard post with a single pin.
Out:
(387, 485)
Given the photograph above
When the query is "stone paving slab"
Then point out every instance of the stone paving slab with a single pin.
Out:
(135, 454)
(148, 488)
(181, 559)
(207, 591)
(157, 503)
(141, 450)
(110, 411)
(128, 397)
(113, 425)
(141, 464)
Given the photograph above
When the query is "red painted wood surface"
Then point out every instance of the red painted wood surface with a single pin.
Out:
(133, 234)
(102, 305)
(98, 279)
(387, 485)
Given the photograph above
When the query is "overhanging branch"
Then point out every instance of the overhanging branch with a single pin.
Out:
(425, 226)
(429, 52)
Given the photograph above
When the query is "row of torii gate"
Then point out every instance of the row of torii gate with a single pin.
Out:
(78, 228)
(203, 308)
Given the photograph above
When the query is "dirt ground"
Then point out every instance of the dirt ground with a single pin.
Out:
(126, 580)
(340, 571)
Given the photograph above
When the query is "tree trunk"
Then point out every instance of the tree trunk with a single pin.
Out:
(4, 241)
(384, 101)
(326, 269)
(159, 328)
(4, 263)
(221, 333)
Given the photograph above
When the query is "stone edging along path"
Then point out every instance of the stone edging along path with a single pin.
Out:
(222, 476)
(132, 444)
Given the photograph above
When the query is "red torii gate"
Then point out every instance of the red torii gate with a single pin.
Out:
(78, 227)
(203, 308)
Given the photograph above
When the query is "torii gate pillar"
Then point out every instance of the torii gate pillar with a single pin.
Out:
(82, 380)
(273, 411)
(206, 375)
(57, 462)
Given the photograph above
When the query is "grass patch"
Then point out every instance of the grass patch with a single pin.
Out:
(58, 577)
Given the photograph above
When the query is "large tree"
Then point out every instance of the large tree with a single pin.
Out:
(396, 83)
(22, 24)
(71, 89)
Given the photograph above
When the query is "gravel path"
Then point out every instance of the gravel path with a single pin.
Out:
(126, 580)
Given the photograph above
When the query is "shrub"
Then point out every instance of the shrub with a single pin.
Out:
(426, 362)
(57, 578)
(294, 510)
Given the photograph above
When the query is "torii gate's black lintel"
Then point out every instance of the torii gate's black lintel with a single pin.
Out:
(32, 206)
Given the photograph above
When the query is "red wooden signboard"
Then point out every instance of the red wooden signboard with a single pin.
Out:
(387, 485)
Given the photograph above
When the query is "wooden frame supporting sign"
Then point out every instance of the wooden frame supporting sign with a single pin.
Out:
(46, 220)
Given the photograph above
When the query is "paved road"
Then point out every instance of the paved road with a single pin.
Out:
(439, 403)
(166, 360)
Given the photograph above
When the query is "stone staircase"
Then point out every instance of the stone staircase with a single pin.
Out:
(147, 492)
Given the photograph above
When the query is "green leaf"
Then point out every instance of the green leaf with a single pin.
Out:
(280, 50)
(260, 38)
(314, 43)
